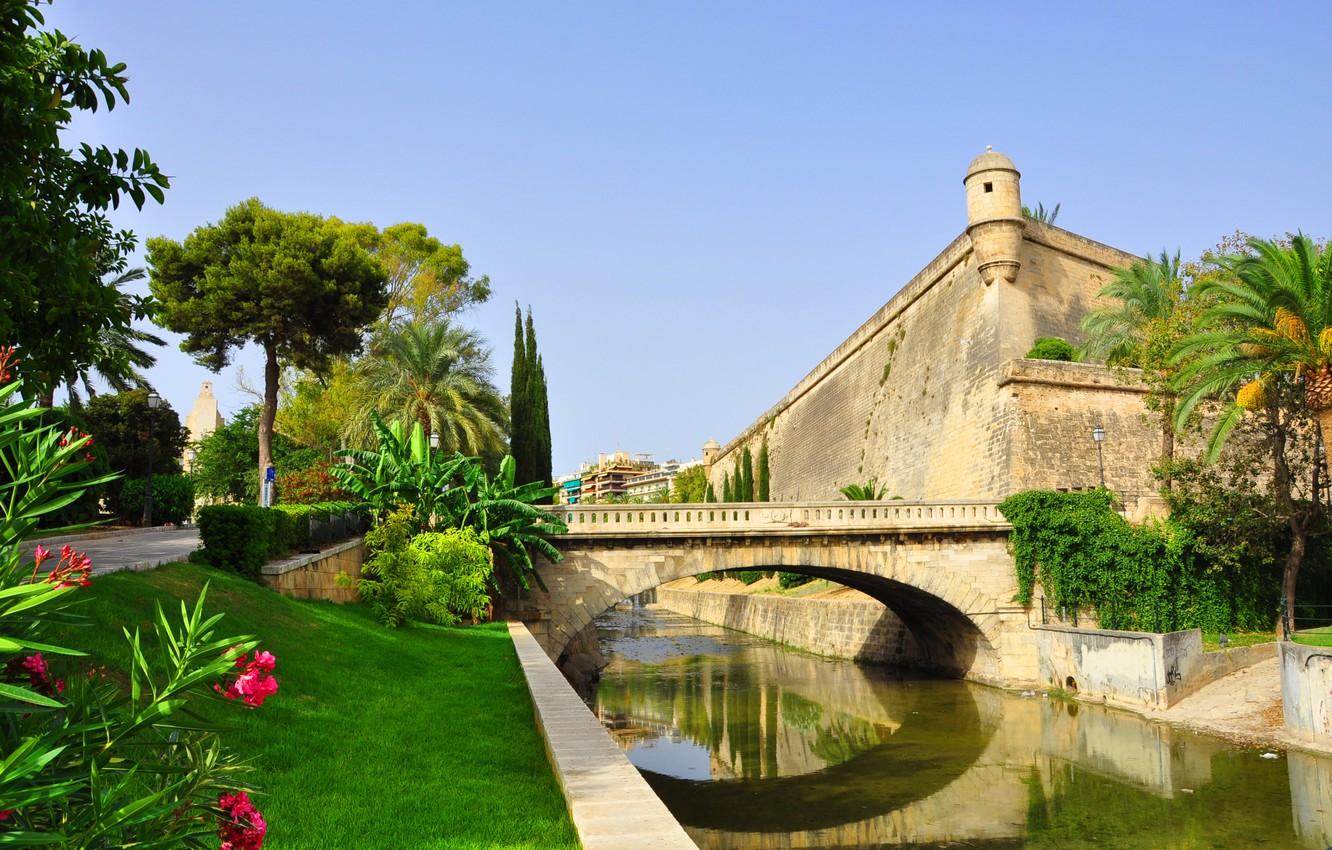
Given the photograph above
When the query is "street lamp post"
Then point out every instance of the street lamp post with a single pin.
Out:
(154, 402)
(1098, 434)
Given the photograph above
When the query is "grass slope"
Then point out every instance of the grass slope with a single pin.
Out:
(410, 738)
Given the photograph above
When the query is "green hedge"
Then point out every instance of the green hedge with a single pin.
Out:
(1052, 348)
(238, 537)
(245, 537)
(173, 498)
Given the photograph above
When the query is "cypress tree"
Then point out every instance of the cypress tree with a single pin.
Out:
(709, 496)
(537, 410)
(726, 487)
(519, 417)
(746, 476)
(763, 471)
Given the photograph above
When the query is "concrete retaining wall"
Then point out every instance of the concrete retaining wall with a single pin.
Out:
(611, 805)
(1136, 669)
(1306, 691)
(862, 630)
(316, 576)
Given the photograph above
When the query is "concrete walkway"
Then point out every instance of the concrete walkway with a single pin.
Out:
(130, 549)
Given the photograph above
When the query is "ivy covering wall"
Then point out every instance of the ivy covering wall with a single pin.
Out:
(1135, 577)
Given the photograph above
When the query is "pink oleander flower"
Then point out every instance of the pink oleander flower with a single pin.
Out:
(38, 674)
(254, 684)
(244, 826)
(41, 554)
(74, 568)
(5, 813)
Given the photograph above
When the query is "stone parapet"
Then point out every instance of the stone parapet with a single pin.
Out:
(1306, 682)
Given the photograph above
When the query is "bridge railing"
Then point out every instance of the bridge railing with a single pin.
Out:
(769, 517)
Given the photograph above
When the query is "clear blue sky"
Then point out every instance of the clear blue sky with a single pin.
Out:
(701, 200)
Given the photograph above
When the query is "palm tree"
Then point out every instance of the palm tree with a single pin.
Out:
(1041, 214)
(439, 375)
(120, 351)
(1268, 333)
(1137, 327)
(870, 491)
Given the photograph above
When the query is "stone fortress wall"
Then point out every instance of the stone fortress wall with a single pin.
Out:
(931, 395)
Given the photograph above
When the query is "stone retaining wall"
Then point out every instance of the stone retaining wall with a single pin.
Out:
(1306, 691)
(863, 630)
(610, 803)
(315, 576)
(1136, 669)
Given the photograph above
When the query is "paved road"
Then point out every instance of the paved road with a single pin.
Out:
(131, 550)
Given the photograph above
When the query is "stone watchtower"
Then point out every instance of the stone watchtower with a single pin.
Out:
(994, 215)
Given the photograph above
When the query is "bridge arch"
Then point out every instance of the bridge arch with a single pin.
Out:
(951, 587)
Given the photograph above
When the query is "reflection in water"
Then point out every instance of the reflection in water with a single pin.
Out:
(755, 746)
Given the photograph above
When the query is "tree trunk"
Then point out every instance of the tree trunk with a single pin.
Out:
(1299, 539)
(269, 413)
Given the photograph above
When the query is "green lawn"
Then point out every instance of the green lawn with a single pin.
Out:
(377, 738)
(1314, 637)
(1236, 639)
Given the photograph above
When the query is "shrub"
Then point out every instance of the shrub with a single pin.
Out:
(751, 576)
(238, 537)
(173, 498)
(1052, 348)
(310, 486)
(435, 577)
(790, 580)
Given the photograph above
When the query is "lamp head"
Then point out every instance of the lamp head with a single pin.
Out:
(154, 400)
(1098, 434)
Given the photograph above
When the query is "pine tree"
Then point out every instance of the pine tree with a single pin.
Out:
(519, 416)
(763, 471)
(746, 476)
(726, 488)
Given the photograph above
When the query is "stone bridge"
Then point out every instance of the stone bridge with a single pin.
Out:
(943, 567)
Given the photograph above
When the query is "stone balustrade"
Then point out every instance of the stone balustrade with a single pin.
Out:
(779, 518)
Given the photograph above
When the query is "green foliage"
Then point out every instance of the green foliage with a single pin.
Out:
(727, 495)
(56, 236)
(1040, 213)
(529, 405)
(311, 485)
(870, 491)
(173, 498)
(433, 577)
(438, 375)
(87, 762)
(296, 284)
(426, 280)
(690, 486)
(789, 580)
(746, 476)
(128, 434)
(1052, 348)
(763, 488)
(708, 495)
(88, 507)
(455, 492)
(239, 538)
(751, 576)
(1141, 578)
(224, 461)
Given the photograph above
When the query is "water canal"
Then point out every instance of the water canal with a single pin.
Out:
(756, 746)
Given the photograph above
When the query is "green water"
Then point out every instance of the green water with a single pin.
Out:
(752, 745)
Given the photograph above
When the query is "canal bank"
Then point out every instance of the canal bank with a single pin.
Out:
(753, 745)
(1233, 693)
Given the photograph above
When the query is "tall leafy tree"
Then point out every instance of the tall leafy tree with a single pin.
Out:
(709, 495)
(1146, 314)
(727, 495)
(56, 239)
(426, 279)
(120, 351)
(690, 486)
(1266, 347)
(437, 375)
(763, 471)
(298, 285)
